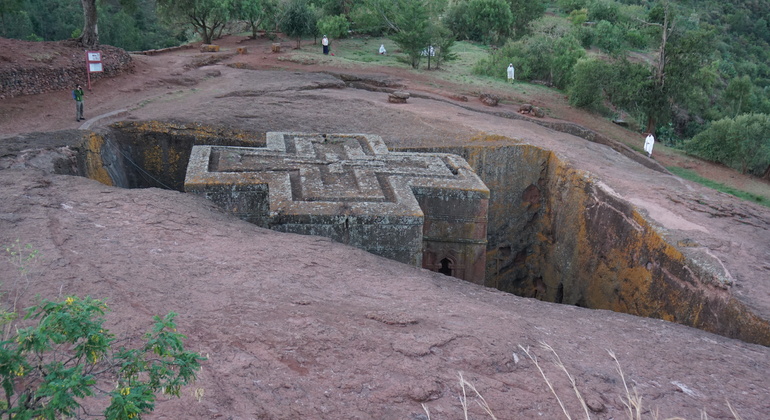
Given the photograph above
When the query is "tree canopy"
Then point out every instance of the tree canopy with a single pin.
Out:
(207, 17)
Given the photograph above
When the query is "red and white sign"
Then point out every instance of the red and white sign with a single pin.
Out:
(93, 64)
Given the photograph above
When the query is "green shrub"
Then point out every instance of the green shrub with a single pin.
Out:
(585, 90)
(334, 26)
(47, 369)
(743, 143)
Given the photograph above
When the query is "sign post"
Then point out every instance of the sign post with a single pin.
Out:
(93, 64)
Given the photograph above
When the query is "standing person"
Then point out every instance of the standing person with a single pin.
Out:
(648, 143)
(511, 72)
(77, 95)
(325, 43)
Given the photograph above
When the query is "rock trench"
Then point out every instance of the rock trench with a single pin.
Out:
(553, 233)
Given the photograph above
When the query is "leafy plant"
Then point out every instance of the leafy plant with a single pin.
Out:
(50, 368)
(743, 143)
(334, 26)
(298, 20)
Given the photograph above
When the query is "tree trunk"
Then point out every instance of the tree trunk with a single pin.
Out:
(90, 36)
(650, 124)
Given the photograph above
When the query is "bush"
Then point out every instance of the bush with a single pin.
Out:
(49, 368)
(488, 21)
(742, 143)
(585, 90)
(609, 38)
(334, 26)
(568, 6)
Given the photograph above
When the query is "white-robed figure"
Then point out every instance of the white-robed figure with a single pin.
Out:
(382, 49)
(648, 143)
(511, 73)
(325, 43)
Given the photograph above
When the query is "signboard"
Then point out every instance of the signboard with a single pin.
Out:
(93, 64)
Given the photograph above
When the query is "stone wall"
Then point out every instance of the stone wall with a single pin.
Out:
(59, 70)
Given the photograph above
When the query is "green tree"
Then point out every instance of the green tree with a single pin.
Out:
(742, 143)
(413, 31)
(680, 71)
(49, 368)
(207, 17)
(737, 94)
(524, 12)
(599, 10)
(586, 86)
(443, 40)
(568, 6)
(334, 26)
(9, 8)
(255, 12)
(298, 20)
(488, 21)
(609, 38)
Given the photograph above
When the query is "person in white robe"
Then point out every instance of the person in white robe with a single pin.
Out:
(511, 72)
(648, 143)
(382, 49)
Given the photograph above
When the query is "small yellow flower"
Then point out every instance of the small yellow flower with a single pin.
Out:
(125, 391)
(20, 372)
(70, 300)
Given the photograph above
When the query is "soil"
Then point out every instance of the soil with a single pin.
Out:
(300, 327)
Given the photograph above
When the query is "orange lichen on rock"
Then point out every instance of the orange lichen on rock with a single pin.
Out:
(94, 167)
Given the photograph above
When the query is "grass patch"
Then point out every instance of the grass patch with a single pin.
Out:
(692, 176)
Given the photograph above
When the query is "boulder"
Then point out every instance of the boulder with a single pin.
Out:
(398, 97)
(489, 99)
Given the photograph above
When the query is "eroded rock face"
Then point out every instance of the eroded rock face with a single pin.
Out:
(553, 233)
(556, 235)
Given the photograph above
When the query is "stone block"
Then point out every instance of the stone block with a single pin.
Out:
(209, 48)
(398, 97)
(424, 209)
(242, 50)
(276, 47)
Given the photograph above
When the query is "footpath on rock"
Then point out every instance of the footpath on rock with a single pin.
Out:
(299, 327)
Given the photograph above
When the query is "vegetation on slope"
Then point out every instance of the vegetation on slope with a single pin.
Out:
(677, 69)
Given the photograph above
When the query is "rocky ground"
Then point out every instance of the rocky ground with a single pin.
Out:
(299, 327)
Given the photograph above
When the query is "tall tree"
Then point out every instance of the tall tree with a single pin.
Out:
(488, 21)
(298, 20)
(255, 12)
(89, 37)
(677, 73)
(207, 17)
(412, 25)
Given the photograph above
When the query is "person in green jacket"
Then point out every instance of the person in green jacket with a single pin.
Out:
(77, 95)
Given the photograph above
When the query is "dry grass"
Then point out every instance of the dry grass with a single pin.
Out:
(631, 399)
